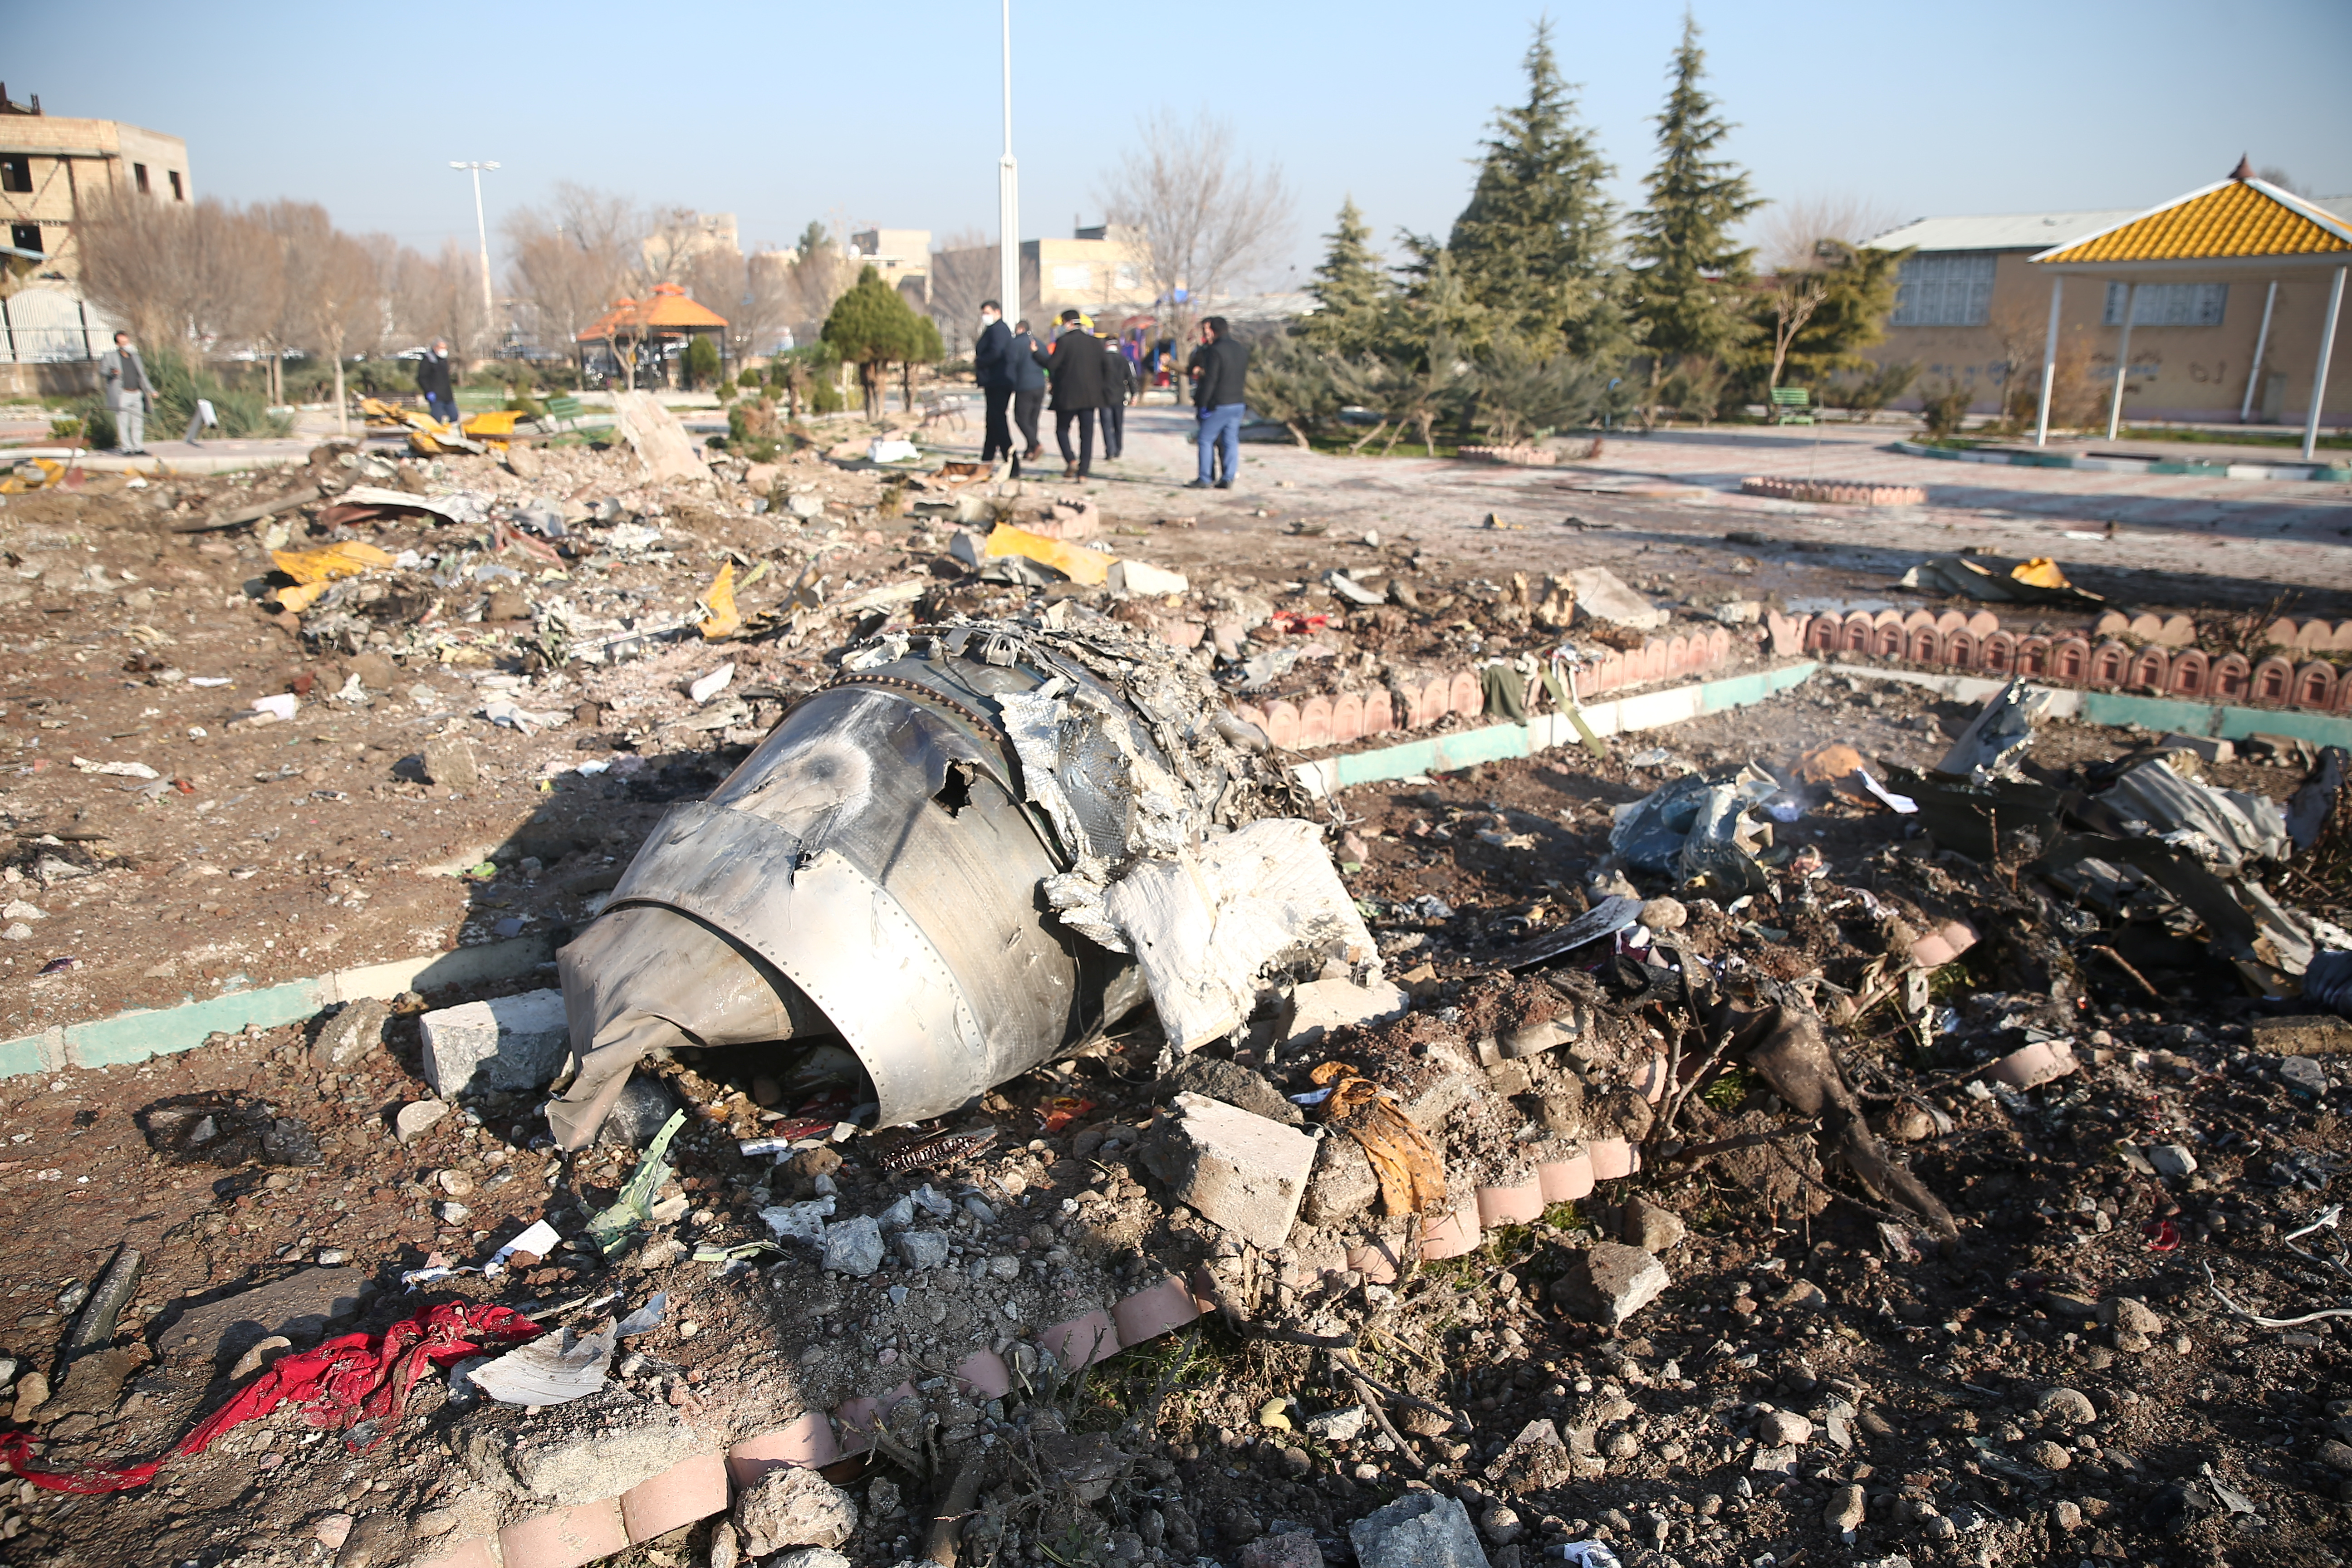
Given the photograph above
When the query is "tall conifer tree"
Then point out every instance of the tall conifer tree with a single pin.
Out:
(1689, 277)
(1535, 246)
(1347, 287)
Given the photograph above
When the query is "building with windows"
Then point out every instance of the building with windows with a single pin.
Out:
(1969, 309)
(902, 256)
(50, 164)
(51, 167)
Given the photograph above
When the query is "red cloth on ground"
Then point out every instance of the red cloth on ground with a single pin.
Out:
(357, 1377)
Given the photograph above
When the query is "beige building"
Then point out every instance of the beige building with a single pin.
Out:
(1098, 270)
(1971, 311)
(902, 256)
(50, 164)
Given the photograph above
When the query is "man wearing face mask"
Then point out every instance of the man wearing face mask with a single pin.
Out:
(992, 362)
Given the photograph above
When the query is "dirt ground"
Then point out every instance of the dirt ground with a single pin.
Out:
(262, 852)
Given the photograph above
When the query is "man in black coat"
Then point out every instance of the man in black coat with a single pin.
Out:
(1119, 387)
(992, 366)
(433, 381)
(1075, 364)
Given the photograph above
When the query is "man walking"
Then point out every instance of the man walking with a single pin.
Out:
(1119, 387)
(1218, 368)
(124, 377)
(1028, 389)
(992, 363)
(1074, 363)
(433, 381)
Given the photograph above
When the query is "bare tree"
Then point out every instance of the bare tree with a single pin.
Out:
(1203, 219)
(573, 258)
(169, 271)
(964, 273)
(440, 297)
(1789, 234)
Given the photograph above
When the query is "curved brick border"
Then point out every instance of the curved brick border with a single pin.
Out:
(2321, 472)
(1839, 493)
(2160, 665)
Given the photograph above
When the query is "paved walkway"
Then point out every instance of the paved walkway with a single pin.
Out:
(2220, 541)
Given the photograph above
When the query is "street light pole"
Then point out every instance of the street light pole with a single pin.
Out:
(482, 236)
(1008, 197)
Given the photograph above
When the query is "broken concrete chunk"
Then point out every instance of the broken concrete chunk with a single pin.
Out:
(1141, 579)
(1645, 1224)
(2067, 1406)
(2171, 1160)
(506, 1044)
(854, 1247)
(1784, 1429)
(1314, 1009)
(1342, 1426)
(1243, 1173)
(1608, 1283)
(2126, 1316)
(923, 1248)
(1602, 595)
(450, 763)
(791, 1506)
(1344, 1183)
(1419, 1530)
(1232, 1083)
(352, 1033)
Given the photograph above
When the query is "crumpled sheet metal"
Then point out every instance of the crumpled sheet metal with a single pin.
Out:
(1205, 925)
(877, 868)
(1998, 736)
(2222, 827)
(1699, 827)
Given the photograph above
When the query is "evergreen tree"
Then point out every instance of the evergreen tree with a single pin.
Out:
(1690, 278)
(1349, 289)
(1535, 246)
(871, 327)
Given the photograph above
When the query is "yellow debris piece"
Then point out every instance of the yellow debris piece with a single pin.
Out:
(301, 597)
(720, 617)
(2040, 573)
(348, 559)
(494, 423)
(47, 472)
(1412, 1176)
(1077, 562)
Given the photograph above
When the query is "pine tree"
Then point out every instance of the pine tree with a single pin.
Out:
(872, 326)
(1349, 292)
(1690, 278)
(1535, 246)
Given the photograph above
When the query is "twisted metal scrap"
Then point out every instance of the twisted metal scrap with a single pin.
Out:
(1412, 1176)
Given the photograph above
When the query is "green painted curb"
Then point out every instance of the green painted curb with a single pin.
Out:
(148, 1032)
(1546, 731)
(2314, 473)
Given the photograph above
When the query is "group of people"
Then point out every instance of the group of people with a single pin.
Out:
(1091, 382)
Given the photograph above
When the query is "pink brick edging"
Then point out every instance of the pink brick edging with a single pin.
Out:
(2158, 661)
(699, 1486)
(1837, 492)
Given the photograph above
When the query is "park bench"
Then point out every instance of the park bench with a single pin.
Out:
(1791, 405)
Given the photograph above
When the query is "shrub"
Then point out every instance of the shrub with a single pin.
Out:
(1943, 411)
(702, 365)
(1874, 392)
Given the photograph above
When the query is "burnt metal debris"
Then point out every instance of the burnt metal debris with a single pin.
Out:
(924, 862)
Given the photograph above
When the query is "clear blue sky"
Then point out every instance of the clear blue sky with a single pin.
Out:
(888, 114)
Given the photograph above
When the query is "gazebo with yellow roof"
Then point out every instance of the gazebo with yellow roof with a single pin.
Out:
(2230, 228)
(667, 314)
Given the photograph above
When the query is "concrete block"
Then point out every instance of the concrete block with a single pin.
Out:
(1241, 1172)
(1421, 1530)
(450, 763)
(350, 1033)
(1318, 1008)
(1141, 579)
(1608, 1283)
(508, 1043)
(1344, 1183)
(1602, 595)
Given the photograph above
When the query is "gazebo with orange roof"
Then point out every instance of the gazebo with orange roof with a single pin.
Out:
(2233, 227)
(667, 313)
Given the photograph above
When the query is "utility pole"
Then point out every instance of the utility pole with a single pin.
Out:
(482, 235)
(1008, 196)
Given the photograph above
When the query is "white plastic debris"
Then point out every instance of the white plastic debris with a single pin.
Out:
(120, 770)
(279, 706)
(711, 685)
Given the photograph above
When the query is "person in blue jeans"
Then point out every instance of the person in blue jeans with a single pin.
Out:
(1218, 368)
